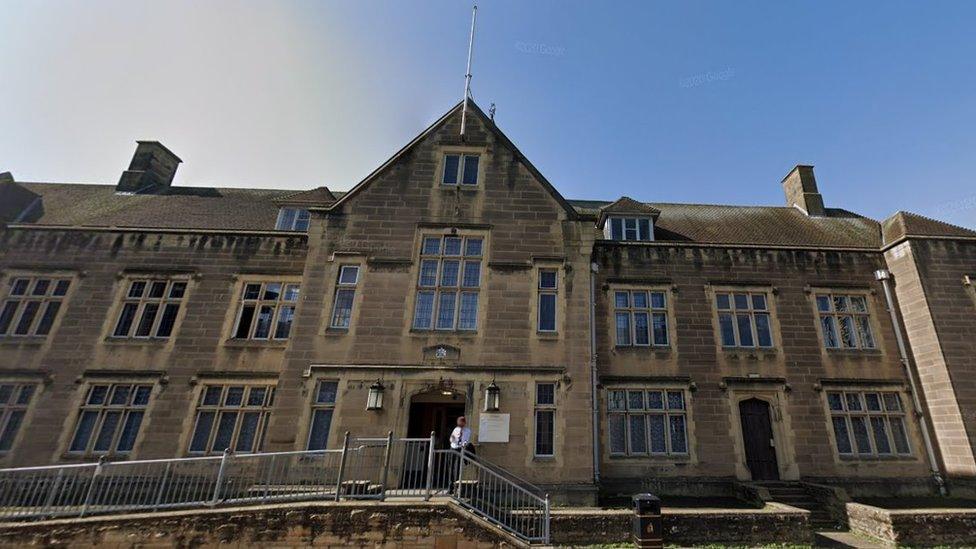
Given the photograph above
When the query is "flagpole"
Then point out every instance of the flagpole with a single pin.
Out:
(467, 73)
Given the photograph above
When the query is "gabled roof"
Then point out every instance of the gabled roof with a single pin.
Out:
(473, 108)
(905, 224)
(319, 196)
(626, 205)
(755, 225)
(205, 208)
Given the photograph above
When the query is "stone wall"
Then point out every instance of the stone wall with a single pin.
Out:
(915, 527)
(773, 524)
(343, 525)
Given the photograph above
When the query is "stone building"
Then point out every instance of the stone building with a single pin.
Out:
(629, 345)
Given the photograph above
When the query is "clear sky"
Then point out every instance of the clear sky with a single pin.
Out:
(662, 101)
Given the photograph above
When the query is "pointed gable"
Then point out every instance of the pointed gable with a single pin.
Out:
(905, 224)
(626, 206)
(489, 125)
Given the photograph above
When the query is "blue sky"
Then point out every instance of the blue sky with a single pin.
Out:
(664, 102)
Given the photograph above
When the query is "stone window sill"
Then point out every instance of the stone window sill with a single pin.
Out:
(451, 333)
(138, 341)
(877, 459)
(257, 343)
(547, 335)
(657, 458)
(335, 331)
(854, 352)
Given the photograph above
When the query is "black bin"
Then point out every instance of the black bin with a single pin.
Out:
(648, 526)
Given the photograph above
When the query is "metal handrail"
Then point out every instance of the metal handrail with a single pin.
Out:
(505, 472)
(364, 468)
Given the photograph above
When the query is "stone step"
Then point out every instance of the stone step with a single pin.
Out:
(844, 539)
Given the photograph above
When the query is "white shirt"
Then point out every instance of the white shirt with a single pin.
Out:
(460, 437)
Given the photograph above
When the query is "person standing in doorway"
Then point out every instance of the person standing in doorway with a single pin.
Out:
(461, 436)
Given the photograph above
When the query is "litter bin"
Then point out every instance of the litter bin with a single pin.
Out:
(648, 526)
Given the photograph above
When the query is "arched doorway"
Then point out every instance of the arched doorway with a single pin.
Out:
(757, 438)
(435, 410)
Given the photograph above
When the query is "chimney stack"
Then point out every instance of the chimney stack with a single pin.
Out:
(801, 191)
(152, 169)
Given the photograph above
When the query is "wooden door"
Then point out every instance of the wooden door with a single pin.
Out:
(757, 437)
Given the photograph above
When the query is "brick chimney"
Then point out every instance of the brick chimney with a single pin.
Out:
(152, 169)
(801, 191)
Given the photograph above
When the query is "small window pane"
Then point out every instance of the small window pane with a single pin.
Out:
(201, 433)
(342, 314)
(679, 439)
(676, 400)
(262, 327)
(641, 329)
(616, 229)
(640, 299)
(622, 299)
(638, 434)
(728, 331)
(285, 318)
(618, 434)
(348, 274)
(853, 402)
(255, 396)
(327, 392)
(473, 247)
(177, 290)
(47, 319)
(432, 245)
(547, 279)
(428, 273)
(635, 400)
(272, 291)
(861, 437)
(301, 222)
(7, 315)
(449, 273)
(655, 400)
(234, 396)
(879, 430)
(722, 302)
(644, 225)
(470, 176)
(660, 324)
(623, 328)
(452, 245)
(120, 396)
(472, 274)
(129, 431)
(157, 289)
(41, 287)
(211, 397)
(763, 332)
(545, 394)
(286, 219)
(616, 400)
(451, 164)
(252, 291)
(19, 286)
(900, 436)
(141, 397)
(842, 436)
(248, 432)
(321, 423)
(835, 401)
(547, 312)
(859, 304)
(840, 303)
(424, 310)
(27, 317)
(759, 302)
(659, 443)
(83, 432)
(544, 434)
(468, 315)
(26, 392)
(168, 320)
(873, 401)
(829, 332)
(741, 301)
(864, 332)
(823, 303)
(847, 332)
(225, 431)
(658, 300)
(61, 288)
(144, 328)
(445, 310)
(105, 435)
(10, 430)
(6, 391)
(744, 324)
(292, 291)
(892, 402)
(97, 394)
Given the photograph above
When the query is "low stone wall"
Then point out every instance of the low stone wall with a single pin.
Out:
(916, 527)
(833, 499)
(292, 525)
(774, 523)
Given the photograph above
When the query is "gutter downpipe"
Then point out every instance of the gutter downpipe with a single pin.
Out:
(594, 268)
(884, 276)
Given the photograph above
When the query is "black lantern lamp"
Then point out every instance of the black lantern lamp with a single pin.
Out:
(375, 399)
(492, 397)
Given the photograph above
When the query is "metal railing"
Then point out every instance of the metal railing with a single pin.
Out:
(364, 468)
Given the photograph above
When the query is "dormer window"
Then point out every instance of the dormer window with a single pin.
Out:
(292, 219)
(460, 169)
(630, 228)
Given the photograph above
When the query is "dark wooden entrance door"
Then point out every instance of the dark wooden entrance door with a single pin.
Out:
(757, 436)
(441, 418)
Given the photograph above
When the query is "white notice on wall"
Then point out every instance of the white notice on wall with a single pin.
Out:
(493, 428)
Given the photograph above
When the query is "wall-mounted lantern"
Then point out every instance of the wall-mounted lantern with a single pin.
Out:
(375, 399)
(492, 397)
